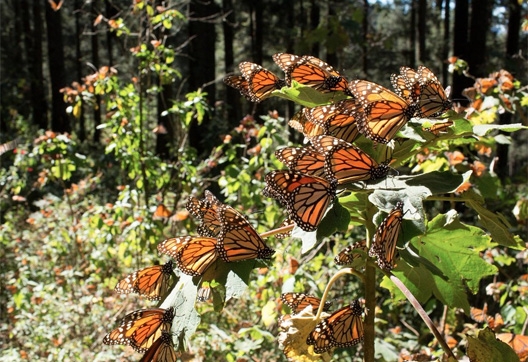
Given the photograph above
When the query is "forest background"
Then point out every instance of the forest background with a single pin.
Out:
(114, 112)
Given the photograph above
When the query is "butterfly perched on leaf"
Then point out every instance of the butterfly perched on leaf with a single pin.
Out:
(351, 252)
(256, 83)
(152, 282)
(384, 112)
(193, 254)
(162, 350)
(344, 328)
(305, 160)
(204, 211)
(301, 123)
(310, 71)
(384, 242)
(300, 301)
(422, 88)
(305, 197)
(338, 120)
(347, 163)
(140, 329)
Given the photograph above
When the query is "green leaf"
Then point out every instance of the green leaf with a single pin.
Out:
(487, 348)
(484, 129)
(448, 260)
(307, 96)
(496, 224)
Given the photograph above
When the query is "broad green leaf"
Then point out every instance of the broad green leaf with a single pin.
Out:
(487, 348)
(484, 129)
(307, 96)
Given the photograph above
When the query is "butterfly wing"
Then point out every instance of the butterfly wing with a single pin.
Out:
(239, 83)
(300, 301)
(344, 328)
(306, 197)
(350, 253)
(385, 113)
(338, 120)
(161, 351)
(238, 240)
(152, 282)
(261, 82)
(346, 162)
(304, 160)
(140, 329)
(193, 255)
(433, 98)
(386, 237)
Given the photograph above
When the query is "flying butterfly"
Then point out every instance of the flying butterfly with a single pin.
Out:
(238, 240)
(384, 243)
(140, 329)
(193, 254)
(162, 350)
(384, 112)
(350, 253)
(310, 71)
(346, 163)
(152, 282)
(300, 301)
(338, 120)
(239, 83)
(304, 160)
(344, 328)
(306, 197)
(261, 82)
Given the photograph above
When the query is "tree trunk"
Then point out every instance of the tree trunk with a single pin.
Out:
(505, 166)
(315, 15)
(79, 63)
(422, 32)
(111, 11)
(233, 109)
(364, 43)
(59, 120)
(480, 27)
(202, 66)
(412, 36)
(96, 64)
(445, 48)
(460, 49)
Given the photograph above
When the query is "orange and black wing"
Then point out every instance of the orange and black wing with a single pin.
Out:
(193, 255)
(161, 351)
(344, 328)
(205, 211)
(433, 97)
(384, 112)
(351, 252)
(384, 243)
(240, 83)
(300, 301)
(338, 120)
(261, 82)
(305, 197)
(346, 162)
(140, 329)
(304, 160)
(238, 240)
(152, 282)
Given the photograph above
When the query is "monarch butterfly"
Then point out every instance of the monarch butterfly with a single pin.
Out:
(348, 254)
(261, 82)
(439, 127)
(306, 197)
(205, 211)
(346, 162)
(299, 301)
(305, 160)
(285, 223)
(407, 84)
(239, 83)
(344, 328)
(140, 329)
(238, 240)
(204, 293)
(433, 97)
(310, 71)
(338, 120)
(300, 122)
(517, 342)
(161, 351)
(193, 255)
(152, 282)
(386, 237)
(384, 112)
(479, 315)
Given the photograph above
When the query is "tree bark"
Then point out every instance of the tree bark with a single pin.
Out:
(364, 43)
(59, 118)
(233, 109)
(460, 48)
(423, 55)
(79, 64)
(202, 65)
(480, 26)
(447, 36)
(95, 62)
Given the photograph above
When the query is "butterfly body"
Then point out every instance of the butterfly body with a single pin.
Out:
(300, 301)
(151, 282)
(161, 351)
(386, 237)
